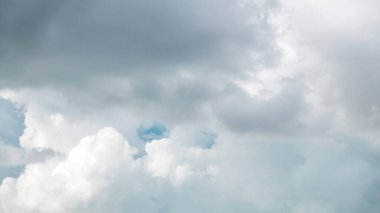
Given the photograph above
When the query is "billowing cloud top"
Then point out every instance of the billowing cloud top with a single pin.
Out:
(263, 106)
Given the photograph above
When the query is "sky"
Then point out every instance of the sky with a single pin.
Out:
(182, 106)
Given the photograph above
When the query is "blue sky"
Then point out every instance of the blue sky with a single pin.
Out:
(12, 122)
(151, 132)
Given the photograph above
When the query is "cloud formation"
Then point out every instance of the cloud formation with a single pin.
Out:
(189, 106)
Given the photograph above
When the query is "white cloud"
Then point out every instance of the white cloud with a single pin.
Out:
(63, 185)
(257, 173)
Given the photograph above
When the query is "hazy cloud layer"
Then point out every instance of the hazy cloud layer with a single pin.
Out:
(189, 106)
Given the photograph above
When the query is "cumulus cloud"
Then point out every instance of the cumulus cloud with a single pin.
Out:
(72, 181)
(189, 106)
(102, 172)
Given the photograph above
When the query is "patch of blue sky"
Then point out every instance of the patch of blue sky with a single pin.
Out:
(10, 171)
(11, 122)
(151, 132)
(204, 140)
(11, 128)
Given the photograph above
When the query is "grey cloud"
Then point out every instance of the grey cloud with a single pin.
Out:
(74, 40)
(122, 63)
(348, 54)
(169, 99)
(358, 76)
(136, 53)
(280, 113)
(22, 24)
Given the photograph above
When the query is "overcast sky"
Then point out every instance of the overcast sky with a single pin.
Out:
(183, 106)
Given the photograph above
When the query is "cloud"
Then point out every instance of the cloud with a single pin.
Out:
(344, 69)
(279, 113)
(189, 106)
(133, 53)
(102, 173)
(73, 181)
(72, 41)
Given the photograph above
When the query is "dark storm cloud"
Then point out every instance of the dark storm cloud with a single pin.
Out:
(22, 24)
(74, 40)
(157, 54)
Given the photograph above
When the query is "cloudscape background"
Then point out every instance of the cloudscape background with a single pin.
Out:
(264, 106)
